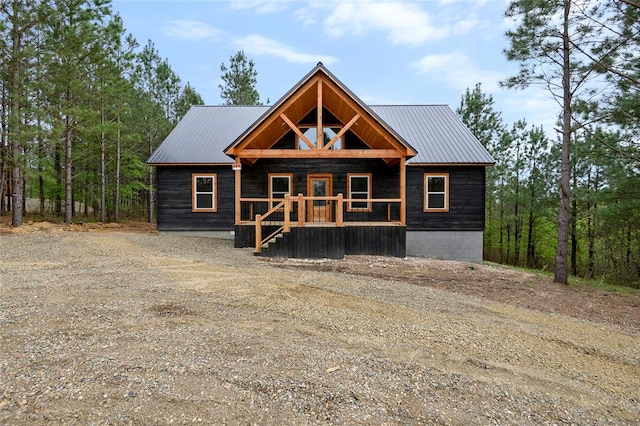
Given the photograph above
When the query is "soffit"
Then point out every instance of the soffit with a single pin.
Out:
(320, 88)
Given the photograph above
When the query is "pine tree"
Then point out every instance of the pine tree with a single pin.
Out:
(477, 111)
(239, 81)
(188, 97)
(545, 46)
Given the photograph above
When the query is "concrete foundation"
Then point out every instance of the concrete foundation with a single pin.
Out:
(465, 246)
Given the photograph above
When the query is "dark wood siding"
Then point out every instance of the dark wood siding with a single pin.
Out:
(385, 180)
(466, 200)
(174, 200)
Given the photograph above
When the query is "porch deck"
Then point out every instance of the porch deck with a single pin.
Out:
(316, 227)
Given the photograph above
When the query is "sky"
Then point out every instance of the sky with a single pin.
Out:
(386, 52)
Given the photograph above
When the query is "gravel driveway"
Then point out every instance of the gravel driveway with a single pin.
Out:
(141, 328)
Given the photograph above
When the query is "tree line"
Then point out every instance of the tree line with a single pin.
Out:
(82, 107)
(571, 204)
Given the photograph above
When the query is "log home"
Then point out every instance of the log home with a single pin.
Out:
(322, 174)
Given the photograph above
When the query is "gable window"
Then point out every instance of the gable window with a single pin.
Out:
(279, 186)
(359, 188)
(311, 133)
(203, 192)
(436, 192)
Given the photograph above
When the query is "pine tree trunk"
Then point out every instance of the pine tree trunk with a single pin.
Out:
(116, 201)
(41, 193)
(574, 236)
(560, 275)
(103, 172)
(3, 152)
(68, 176)
(17, 180)
(151, 183)
(57, 158)
(531, 259)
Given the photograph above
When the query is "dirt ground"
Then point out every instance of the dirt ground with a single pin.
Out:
(491, 282)
(115, 324)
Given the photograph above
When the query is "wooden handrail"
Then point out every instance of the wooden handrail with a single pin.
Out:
(287, 206)
(259, 219)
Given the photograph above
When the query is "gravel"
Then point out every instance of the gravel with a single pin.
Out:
(140, 328)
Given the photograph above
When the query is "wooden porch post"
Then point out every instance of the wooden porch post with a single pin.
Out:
(258, 233)
(238, 190)
(403, 191)
(319, 125)
(287, 213)
(301, 210)
(339, 211)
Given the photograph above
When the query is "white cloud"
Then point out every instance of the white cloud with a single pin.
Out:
(259, 45)
(305, 16)
(536, 106)
(191, 30)
(405, 23)
(458, 71)
(261, 7)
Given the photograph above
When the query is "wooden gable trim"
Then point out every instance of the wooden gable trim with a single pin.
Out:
(387, 135)
(269, 129)
(319, 121)
(385, 154)
(341, 132)
(274, 114)
(297, 131)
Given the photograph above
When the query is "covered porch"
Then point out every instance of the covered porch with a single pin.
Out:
(316, 227)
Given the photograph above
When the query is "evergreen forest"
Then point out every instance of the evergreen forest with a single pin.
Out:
(83, 104)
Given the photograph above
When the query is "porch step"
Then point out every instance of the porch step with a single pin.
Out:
(269, 245)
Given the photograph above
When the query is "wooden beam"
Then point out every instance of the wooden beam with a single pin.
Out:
(342, 131)
(386, 134)
(320, 153)
(403, 191)
(319, 126)
(298, 93)
(238, 192)
(297, 131)
(301, 212)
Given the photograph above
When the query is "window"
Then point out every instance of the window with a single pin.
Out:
(311, 133)
(359, 187)
(279, 186)
(203, 192)
(436, 192)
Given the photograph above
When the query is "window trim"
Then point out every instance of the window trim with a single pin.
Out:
(426, 192)
(350, 207)
(194, 192)
(270, 186)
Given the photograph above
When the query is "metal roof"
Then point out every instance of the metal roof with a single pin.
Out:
(436, 132)
(203, 134)
(439, 136)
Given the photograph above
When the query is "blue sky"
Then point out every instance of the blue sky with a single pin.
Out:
(386, 52)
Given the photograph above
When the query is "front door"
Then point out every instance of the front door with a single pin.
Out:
(319, 186)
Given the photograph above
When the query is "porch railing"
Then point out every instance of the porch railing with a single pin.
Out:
(274, 215)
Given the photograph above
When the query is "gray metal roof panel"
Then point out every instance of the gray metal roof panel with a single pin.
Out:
(434, 131)
(203, 133)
